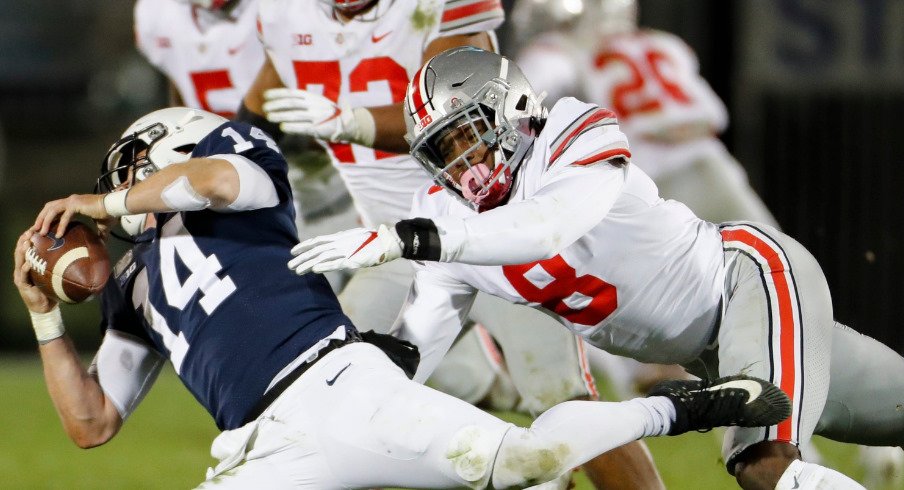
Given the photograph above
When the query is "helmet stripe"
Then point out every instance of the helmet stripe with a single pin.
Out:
(418, 95)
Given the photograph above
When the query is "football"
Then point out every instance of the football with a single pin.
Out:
(71, 268)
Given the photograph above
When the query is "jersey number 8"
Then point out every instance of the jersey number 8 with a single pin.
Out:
(555, 285)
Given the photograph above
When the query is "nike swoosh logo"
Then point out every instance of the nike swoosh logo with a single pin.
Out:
(751, 387)
(796, 483)
(369, 239)
(57, 242)
(330, 382)
(376, 39)
(336, 113)
(233, 51)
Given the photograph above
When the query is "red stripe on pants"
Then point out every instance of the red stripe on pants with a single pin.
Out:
(786, 324)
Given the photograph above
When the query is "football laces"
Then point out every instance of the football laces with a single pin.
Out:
(36, 262)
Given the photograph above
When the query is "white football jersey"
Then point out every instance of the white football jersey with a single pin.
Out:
(649, 78)
(627, 279)
(211, 60)
(367, 62)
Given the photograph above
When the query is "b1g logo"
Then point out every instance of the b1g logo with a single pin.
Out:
(304, 39)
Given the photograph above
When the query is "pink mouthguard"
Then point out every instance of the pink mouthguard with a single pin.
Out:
(471, 181)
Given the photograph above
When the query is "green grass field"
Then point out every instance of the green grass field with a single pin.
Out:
(165, 444)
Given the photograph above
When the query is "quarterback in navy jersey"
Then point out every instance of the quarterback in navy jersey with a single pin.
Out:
(303, 399)
(208, 291)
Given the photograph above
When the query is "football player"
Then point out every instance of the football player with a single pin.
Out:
(303, 399)
(208, 49)
(651, 80)
(337, 71)
(544, 208)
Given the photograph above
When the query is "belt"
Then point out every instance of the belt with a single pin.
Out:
(273, 393)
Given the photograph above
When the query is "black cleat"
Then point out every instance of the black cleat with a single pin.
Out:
(739, 400)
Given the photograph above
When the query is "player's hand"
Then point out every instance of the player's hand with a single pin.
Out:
(90, 205)
(351, 249)
(35, 299)
(303, 112)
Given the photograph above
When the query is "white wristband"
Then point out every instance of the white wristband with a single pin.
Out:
(48, 326)
(115, 203)
(367, 128)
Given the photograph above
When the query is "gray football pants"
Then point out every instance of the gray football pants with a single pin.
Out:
(778, 325)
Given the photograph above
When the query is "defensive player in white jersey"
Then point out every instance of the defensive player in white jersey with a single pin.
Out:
(324, 407)
(545, 209)
(593, 49)
(651, 80)
(340, 70)
(208, 49)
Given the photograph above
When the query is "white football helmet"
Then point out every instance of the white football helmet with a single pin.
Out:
(471, 118)
(156, 140)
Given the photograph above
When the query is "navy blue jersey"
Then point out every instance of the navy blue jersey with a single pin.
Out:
(211, 290)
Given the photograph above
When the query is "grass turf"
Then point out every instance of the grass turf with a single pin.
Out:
(166, 443)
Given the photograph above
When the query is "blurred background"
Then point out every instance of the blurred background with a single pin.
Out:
(814, 88)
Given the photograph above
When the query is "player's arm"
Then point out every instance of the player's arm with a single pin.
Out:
(87, 415)
(575, 195)
(381, 127)
(175, 99)
(433, 315)
(252, 109)
(534, 229)
(223, 183)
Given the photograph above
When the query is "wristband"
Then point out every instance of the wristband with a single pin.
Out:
(366, 130)
(48, 326)
(420, 239)
(115, 203)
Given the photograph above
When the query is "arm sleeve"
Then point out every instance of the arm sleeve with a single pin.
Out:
(256, 189)
(126, 368)
(433, 315)
(579, 191)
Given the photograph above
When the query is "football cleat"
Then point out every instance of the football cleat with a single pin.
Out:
(738, 400)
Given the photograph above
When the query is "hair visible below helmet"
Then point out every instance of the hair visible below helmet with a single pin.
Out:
(463, 103)
(155, 141)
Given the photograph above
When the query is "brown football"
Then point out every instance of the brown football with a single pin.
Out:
(71, 268)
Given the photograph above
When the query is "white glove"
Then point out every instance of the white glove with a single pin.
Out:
(303, 112)
(346, 250)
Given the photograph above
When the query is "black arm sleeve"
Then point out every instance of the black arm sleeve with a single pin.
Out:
(245, 115)
(420, 240)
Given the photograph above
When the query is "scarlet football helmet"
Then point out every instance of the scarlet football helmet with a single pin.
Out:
(157, 140)
(471, 117)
